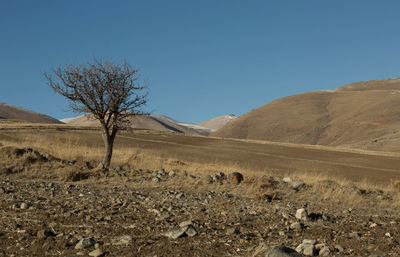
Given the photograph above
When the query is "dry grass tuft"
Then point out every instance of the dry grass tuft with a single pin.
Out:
(75, 174)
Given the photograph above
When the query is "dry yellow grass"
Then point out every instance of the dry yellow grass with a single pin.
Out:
(316, 147)
(86, 145)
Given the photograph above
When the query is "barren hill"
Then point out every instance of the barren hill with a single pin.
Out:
(153, 122)
(362, 115)
(218, 122)
(11, 112)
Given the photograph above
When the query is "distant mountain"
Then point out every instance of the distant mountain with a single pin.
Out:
(153, 122)
(162, 123)
(11, 112)
(364, 115)
(218, 122)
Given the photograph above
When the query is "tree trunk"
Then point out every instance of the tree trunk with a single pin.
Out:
(108, 143)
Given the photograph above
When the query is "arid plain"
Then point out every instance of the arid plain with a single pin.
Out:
(318, 172)
(53, 196)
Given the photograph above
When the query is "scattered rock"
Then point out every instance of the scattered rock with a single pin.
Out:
(190, 231)
(287, 180)
(185, 223)
(171, 173)
(160, 172)
(282, 251)
(373, 225)
(43, 234)
(71, 242)
(179, 195)
(85, 243)
(220, 215)
(286, 215)
(175, 233)
(307, 247)
(310, 241)
(123, 240)
(2, 190)
(71, 162)
(228, 196)
(339, 248)
(156, 179)
(181, 232)
(301, 214)
(324, 251)
(101, 166)
(96, 253)
(296, 225)
(296, 185)
(24, 206)
(220, 177)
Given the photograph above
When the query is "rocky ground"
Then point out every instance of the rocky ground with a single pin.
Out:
(163, 213)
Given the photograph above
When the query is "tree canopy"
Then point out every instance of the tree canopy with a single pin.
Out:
(109, 92)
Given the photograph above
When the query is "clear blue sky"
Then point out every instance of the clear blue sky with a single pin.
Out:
(202, 58)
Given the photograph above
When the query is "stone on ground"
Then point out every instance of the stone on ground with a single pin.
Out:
(307, 248)
(175, 233)
(282, 251)
(44, 233)
(96, 253)
(296, 185)
(85, 243)
(301, 214)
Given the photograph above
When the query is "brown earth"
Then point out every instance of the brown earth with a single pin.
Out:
(253, 156)
(10, 112)
(127, 212)
(363, 115)
(49, 202)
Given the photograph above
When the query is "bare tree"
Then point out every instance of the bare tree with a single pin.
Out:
(109, 92)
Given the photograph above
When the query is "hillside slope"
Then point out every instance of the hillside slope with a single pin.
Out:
(11, 112)
(218, 122)
(363, 115)
(153, 122)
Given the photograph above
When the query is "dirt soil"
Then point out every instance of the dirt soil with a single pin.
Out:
(128, 212)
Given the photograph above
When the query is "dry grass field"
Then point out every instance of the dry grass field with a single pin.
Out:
(136, 199)
(151, 149)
